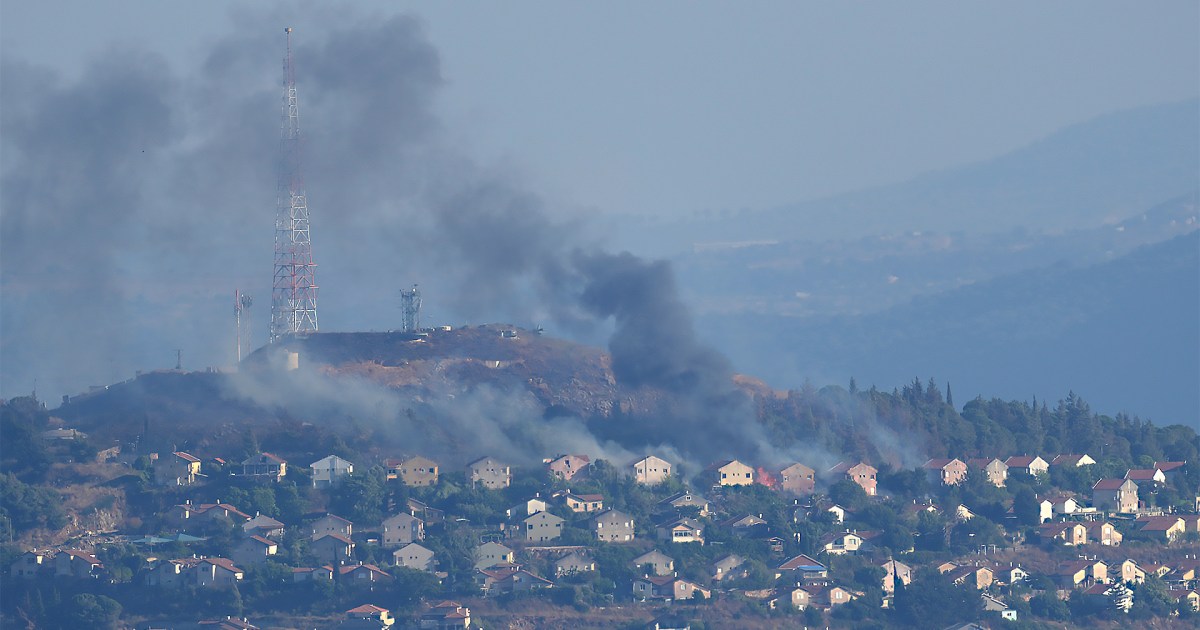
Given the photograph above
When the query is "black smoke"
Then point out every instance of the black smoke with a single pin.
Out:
(137, 197)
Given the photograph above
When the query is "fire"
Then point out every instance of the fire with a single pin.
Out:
(765, 477)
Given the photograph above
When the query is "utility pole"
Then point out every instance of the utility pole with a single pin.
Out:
(294, 288)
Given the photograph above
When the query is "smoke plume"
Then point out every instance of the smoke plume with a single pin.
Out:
(137, 197)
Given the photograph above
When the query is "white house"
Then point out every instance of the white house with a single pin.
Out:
(330, 470)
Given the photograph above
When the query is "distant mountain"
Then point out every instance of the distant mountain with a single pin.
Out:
(1124, 334)
(1082, 176)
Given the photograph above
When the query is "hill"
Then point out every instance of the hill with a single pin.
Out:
(1121, 333)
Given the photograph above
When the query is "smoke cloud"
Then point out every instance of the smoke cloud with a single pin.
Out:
(137, 197)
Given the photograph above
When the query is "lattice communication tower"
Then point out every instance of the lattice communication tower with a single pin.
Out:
(294, 290)
(410, 303)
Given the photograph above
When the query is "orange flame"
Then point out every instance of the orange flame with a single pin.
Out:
(765, 477)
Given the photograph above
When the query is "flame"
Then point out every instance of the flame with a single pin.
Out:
(765, 477)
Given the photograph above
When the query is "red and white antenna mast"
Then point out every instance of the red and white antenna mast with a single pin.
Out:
(294, 290)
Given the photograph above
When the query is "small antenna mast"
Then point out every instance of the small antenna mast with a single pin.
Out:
(241, 302)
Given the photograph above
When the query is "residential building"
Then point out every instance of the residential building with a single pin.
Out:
(1131, 573)
(1031, 465)
(895, 570)
(1103, 533)
(729, 473)
(216, 573)
(1115, 495)
(335, 547)
(492, 553)
(681, 530)
(1171, 469)
(580, 503)
(363, 574)
(542, 527)
(994, 470)
(490, 473)
(1072, 460)
(803, 567)
(654, 562)
(414, 556)
(264, 526)
(402, 529)
(76, 563)
(253, 550)
(684, 500)
(201, 515)
(1069, 534)
(1116, 596)
(651, 470)
(838, 543)
(860, 473)
(1164, 528)
(947, 472)
(613, 526)
(726, 566)
(331, 524)
(417, 471)
(977, 577)
(527, 508)
(567, 467)
(667, 587)
(264, 465)
(177, 469)
(446, 616)
(1142, 476)
(28, 565)
(573, 563)
(798, 479)
(368, 616)
(330, 470)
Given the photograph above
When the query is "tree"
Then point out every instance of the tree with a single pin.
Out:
(1026, 507)
(93, 611)
(931, 600)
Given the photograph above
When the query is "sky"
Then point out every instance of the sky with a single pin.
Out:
(469, 146)
(678, 107)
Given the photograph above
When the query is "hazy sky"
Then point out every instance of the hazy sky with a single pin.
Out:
(140, 139)
(674, 107)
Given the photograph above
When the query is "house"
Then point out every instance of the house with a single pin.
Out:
(729, 473)
(860, 473)
(1069, 534)
(264, 526)
(654, 562)
(1009, 574)
(838, 543)
(368, 616)
(228, 623)
(1142, 476)
(1131, 573)
(216, 573)
(838, 512)
(331, 524)
(963, 513)
(542, 527)
(492, 553)
(1076, 573)
(573, 563)
(528, 507)
(747, 525)
(803, 568)
(613, 526)
(200, 515)
(177, 469)
(489, 473)
(28, 565)
(402, 529)
(994, 470)
(567, 467)
(253, 550)
(894, 570)
(685, 500)
(307, 574)
(651, 470)
(1064, 505)
(798, 479)
(948, 472)
(667, 587)
(1116, 596)
(171, 573)
(330, 470)
(445, 616)
(1073, 460)
(1165, 528)
(1103, 533)
(1186, 595)
(681, 530)
(336, 547)
(414, 556)
(1171, 469)
(417, 472)
(264, 465)
(580, 503)
(363, 574)
(829, 597)
(1115, 495)
(977, 577)
(510, 579)
(726, 566)
(1029, 465)
(77, 564)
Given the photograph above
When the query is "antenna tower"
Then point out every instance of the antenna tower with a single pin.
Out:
(410, 303)
(241, 302)
(294, 290)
